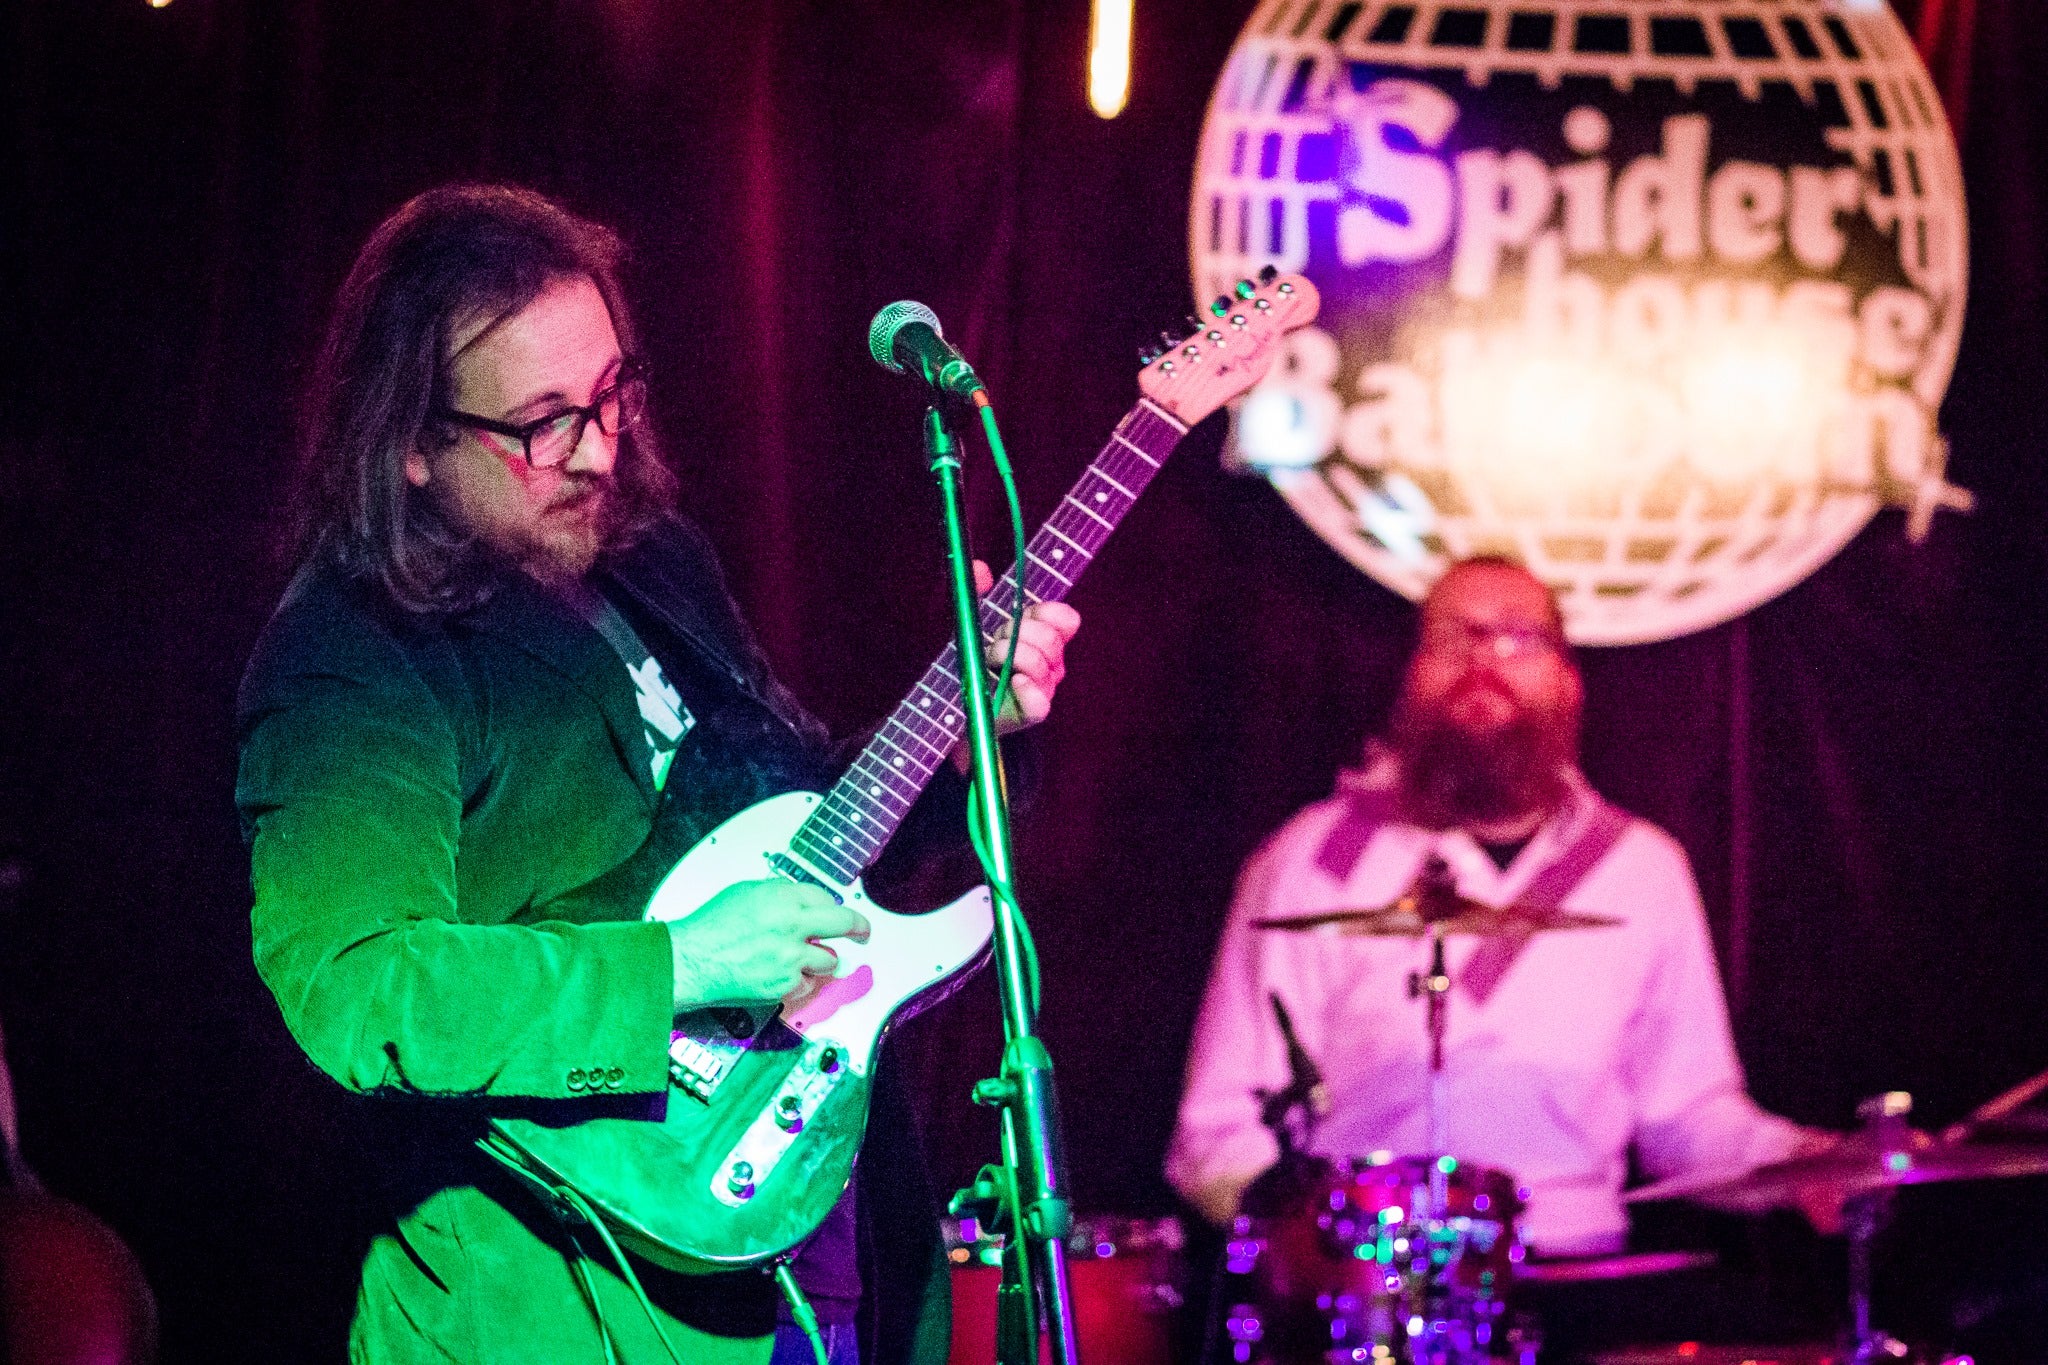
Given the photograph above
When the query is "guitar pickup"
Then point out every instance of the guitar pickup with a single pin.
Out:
(789, 867)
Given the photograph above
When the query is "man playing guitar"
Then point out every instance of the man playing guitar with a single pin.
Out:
(505, 692)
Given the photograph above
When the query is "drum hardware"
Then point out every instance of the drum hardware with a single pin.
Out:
(1434, 905)
(1598, 1269)
(1304, 1101)
(1393, 1259)
(1337, 1260)
(1484, 921)
(1410, 1311)
(1869, 1166)
(1868, 1212)
(1431, 908)
(1875, 1159)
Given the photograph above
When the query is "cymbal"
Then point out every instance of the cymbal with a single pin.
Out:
(1857, 1165)
(1457, 915)
(1599, 1269)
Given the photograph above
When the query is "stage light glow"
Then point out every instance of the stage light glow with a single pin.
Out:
(1278, 432)
(1109, 56)
(1752, 408)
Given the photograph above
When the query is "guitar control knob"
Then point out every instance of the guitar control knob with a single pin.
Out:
(789, 1114)
(741, 1180)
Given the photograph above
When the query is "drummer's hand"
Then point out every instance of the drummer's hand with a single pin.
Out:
(1820, 1201)
(1041, 660)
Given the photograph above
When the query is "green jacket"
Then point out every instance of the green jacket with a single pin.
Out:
(453, 831)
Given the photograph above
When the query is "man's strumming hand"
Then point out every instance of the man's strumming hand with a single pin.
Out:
(755, 941)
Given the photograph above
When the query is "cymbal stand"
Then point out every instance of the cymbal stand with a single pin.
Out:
(1865, 1216)
(1432, 898)
(1434, 987)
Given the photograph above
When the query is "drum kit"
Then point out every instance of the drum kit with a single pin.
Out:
(1394, 1259)
(1415, 1260)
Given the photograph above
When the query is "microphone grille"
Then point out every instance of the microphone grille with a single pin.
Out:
(891, 320)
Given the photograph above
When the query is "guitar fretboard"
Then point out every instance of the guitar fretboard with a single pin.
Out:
(849, 830)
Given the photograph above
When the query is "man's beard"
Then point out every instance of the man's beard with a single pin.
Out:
(1451, 777)
(567, 543)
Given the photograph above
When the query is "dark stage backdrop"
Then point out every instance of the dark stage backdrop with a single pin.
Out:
(184, 188)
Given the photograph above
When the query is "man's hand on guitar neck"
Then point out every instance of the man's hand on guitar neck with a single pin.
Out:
(1041, 661)
(753, 942)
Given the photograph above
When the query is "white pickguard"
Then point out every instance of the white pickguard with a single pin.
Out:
(904, 954)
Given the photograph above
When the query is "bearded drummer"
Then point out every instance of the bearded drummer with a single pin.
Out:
(1564, 1051)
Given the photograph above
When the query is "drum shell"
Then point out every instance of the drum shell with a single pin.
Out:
(1311, 1237)
(1126, 1277)
(1328, 1242)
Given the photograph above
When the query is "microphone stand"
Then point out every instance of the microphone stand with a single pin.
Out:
(1026, 1194)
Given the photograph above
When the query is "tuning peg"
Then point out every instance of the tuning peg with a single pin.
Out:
(1222, 305)
(1245, 289)
(1268, 274)
(1148, 354)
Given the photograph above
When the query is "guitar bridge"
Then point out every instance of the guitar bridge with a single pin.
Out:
(819, 1070)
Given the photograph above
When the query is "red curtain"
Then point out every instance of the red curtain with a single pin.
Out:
(186, 186)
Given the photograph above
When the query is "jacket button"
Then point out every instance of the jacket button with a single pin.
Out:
(575, 1078)
(614, 1076)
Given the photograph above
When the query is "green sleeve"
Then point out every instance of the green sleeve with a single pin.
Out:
(350, 794)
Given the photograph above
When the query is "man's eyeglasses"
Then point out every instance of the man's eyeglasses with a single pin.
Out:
(1504, 643)
(550, 441)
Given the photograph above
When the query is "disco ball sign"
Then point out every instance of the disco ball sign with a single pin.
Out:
(1657, 296)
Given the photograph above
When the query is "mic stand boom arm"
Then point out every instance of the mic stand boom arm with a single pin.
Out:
(1028, 1192)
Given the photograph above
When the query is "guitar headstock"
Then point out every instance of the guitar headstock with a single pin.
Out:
(1228, 346)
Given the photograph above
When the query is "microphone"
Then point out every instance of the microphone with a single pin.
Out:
(1304, 1092)
(905, 337)
(1307, 1077)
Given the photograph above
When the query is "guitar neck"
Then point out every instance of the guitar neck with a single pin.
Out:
(864, 808)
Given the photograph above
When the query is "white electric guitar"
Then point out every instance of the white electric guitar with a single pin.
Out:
(766, 1106)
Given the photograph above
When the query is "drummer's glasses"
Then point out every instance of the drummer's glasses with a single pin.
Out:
(550, 441)
(1466, 639)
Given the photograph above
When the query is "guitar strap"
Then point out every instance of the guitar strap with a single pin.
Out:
(606, 619)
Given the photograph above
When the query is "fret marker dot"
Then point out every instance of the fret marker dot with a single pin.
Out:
(1101, 497)
(897, 761)
(875, 790)
(1059, 554)
(837, 840)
